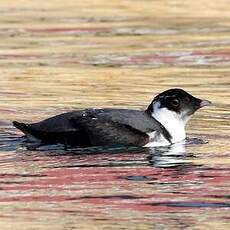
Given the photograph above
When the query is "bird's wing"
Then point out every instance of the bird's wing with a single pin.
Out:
(138, 120)
(108, 132)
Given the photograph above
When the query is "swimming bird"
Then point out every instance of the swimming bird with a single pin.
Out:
(162, 123)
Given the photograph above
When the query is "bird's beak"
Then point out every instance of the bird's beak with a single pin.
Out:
(205, 103)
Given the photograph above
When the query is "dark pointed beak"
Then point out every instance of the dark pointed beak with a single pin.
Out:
(204, 103)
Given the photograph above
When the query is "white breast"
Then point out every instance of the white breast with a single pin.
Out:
(172, 121)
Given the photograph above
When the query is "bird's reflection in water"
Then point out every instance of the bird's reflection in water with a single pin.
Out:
(158, 157)
(169, 156)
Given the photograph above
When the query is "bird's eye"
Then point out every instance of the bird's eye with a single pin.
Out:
(175, 102)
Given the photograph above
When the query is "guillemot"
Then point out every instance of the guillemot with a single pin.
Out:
(162, 123)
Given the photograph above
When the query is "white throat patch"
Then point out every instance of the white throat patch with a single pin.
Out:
(172, 121)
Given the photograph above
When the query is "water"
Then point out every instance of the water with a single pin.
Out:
(57, 56)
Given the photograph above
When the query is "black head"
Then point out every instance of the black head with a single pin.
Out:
(179, 101)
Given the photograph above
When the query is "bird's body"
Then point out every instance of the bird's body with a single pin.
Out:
(160, 124)
(93, 127)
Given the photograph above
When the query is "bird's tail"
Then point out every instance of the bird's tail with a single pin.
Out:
(21, 126)
(25, 128)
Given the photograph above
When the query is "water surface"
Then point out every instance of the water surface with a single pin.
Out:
(58, 56)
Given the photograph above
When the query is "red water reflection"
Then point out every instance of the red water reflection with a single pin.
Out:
(140, 188)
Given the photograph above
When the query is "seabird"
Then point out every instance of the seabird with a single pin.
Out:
(162, 123)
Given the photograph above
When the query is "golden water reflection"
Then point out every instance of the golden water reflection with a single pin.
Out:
(57, 56)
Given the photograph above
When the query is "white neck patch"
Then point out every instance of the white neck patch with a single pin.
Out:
(172, 121)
